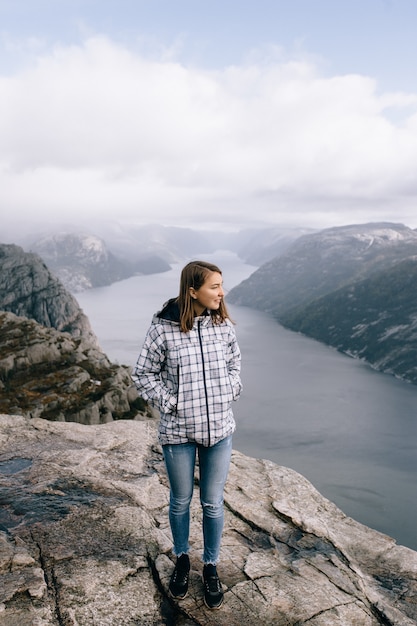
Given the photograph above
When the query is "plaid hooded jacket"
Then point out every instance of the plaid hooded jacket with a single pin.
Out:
(191, 378)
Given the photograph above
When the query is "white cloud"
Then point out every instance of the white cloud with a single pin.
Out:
(100, 130)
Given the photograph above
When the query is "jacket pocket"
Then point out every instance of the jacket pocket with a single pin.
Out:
(220, 384)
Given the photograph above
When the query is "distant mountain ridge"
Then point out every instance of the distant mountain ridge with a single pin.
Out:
(82, 261)
(261, 245)
(174, 244)
(351, 287)
(86, 260)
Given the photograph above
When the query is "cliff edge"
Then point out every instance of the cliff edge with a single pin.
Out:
(84, 539)
(29, 289)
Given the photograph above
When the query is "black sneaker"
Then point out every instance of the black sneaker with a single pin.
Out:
(178, 585)
(213, 593)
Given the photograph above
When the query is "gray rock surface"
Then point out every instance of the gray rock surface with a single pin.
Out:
(28, 289)
(49, 374)
(84, 540)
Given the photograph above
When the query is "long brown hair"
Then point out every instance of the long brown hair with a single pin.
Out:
(195, 274)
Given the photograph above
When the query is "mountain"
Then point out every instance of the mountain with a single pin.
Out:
(172, 244)
(373, 319)
(49, 374)
(29, 289)
(319, 263)
(350, 287)
(117, 251)
(83, 261)
(51, 365)
(257, 246)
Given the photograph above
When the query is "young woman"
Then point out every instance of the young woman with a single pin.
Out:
(189, 368)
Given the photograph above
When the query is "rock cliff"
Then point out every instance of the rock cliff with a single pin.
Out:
(373, 319)
(49, 374)
(84, 540)
(28, 289)
(350, 287)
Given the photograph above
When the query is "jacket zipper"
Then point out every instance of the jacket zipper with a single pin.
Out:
(204, 380)
(178, 388)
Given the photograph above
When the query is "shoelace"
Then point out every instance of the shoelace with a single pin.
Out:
(182, 575)
(213, 584)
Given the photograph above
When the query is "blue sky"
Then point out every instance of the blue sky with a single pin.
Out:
(372, 37)
(297, 113)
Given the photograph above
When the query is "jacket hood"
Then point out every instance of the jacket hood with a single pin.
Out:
(170, 311)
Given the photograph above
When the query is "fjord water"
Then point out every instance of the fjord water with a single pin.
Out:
(349, 430)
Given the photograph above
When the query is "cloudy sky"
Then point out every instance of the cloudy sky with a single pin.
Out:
(293, 112)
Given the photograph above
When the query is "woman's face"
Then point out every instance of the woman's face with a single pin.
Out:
(209, 295)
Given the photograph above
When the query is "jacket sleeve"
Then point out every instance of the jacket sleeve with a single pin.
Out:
(147, 372)
(233, 364)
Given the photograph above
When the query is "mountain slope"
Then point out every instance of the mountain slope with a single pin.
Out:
(374, 319)
(172, 244)
(28, 289)
(257, 246)
(351, 287)
(319, 263)
(83, 261)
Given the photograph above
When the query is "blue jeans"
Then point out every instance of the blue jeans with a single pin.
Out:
(214, 464)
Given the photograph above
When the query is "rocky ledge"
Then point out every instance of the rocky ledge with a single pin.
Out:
(49, 374)
(84, 540)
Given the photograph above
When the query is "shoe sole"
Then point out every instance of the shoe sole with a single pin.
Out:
(177, 597)
(214, 608)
